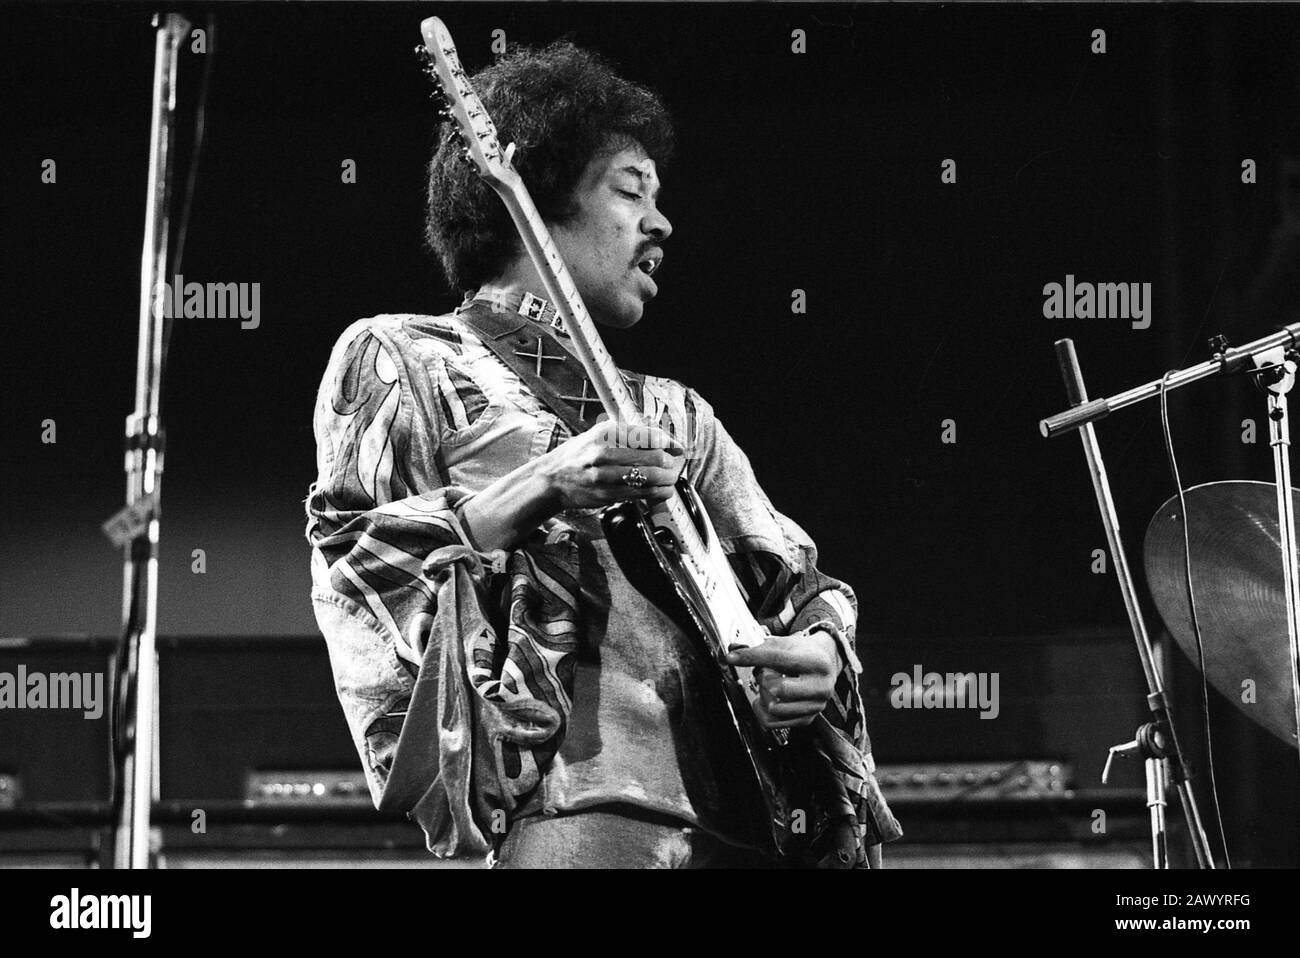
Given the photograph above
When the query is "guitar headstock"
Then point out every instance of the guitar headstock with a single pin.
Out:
(461, 105)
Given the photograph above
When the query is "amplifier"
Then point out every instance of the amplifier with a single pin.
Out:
(53, 752)
(984, 699)
(230, 708)
(1131, 854)
(322, 787)
(975, 781)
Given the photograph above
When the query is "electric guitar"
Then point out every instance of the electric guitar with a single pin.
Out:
(669, 551)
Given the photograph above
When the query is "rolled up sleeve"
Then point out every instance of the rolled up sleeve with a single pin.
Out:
(377, 510)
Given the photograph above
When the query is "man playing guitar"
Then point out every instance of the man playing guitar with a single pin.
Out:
(504, 678)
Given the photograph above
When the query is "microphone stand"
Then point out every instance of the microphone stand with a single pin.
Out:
(136, 771)
(1270, 357)
(1156, 741)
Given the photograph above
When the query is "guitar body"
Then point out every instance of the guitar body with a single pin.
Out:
(649, 557)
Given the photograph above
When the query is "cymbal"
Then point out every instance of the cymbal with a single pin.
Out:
(1240, 601)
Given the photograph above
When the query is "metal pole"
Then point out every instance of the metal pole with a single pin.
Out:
(1157, 700)
(1155, 769)
(1279, 428)
(144, 464)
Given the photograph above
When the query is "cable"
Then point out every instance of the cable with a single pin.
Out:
(1191, 603)
(183, 221)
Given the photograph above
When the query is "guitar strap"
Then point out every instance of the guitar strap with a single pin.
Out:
(561, 385)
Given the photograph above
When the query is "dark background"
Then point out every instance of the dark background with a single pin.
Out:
(818, 171)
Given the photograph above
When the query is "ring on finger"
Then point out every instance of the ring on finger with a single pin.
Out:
(634, 477)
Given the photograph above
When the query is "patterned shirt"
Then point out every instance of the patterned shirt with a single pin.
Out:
(414, 415)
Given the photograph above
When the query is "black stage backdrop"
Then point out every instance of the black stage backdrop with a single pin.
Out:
(817, 171)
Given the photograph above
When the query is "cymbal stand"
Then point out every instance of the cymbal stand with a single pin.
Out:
(1157, 699)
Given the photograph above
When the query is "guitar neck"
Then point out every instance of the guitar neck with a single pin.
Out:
(601, 369)
(596, 360)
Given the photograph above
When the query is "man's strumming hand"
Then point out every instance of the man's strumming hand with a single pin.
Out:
(797, 678)
(589, 469)
(583, 472)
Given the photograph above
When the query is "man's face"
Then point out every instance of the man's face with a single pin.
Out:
(614, 242)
